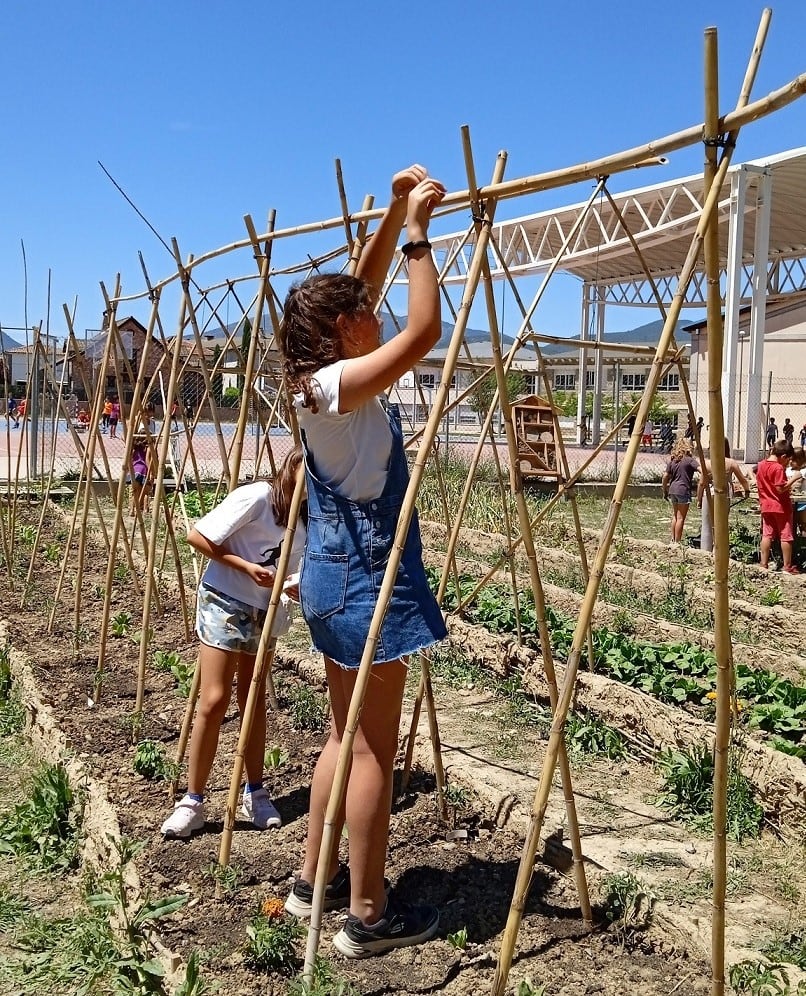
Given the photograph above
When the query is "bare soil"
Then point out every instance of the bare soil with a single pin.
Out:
(467, 867)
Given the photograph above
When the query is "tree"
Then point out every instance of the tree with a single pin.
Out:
(481, 397)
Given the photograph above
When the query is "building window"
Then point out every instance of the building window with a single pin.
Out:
(671, 382)
(633, 382)
(590, 379)
(427, 380)
(565, 382)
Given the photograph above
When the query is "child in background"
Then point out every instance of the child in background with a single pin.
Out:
(677, 485)
(114, 418)
(356, 475)
(242, 537)
(795, 469)
(106, 412)
(776, 504)
(140, 474)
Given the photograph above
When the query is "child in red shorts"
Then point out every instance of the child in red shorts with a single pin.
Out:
(776, 505)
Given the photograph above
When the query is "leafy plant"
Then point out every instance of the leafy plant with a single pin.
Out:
(122, 574)
(325, 982)
(789, 947)
(628, 903)
(760, 979)
(12, 713)
(528, 988)
(772, 596)
(53, 552)
(275, 757)
(689, 788)
(43, 830)
(587, 736)
(226, 877)
(133, 725)
(151, 762)
(458, 940)
(136, 964)
(27, 535)
(120, 624)
(308, 708)
(271, 938)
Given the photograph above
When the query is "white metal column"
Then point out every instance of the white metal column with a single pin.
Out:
(583, 362)
(754, 430)
(598, 384)
(733, 295)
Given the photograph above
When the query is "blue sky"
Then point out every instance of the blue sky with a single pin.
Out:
(205, 112)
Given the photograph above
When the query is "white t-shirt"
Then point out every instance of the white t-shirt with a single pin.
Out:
(244, 524)
(350, 451)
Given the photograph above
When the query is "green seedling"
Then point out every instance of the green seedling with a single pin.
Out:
(275, 757)
(151, 762)
(226, 877)
(120, 624)
(459, 939)
(271, 939)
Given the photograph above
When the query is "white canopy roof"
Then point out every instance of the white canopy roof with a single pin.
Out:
(662, 219)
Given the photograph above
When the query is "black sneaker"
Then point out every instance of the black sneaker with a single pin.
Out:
(337, 894)
(401, 925)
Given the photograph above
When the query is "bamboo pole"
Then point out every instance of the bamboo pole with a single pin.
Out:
(648, 154)
(516, 486)
(263, 661)
(718, 473)
(364, 671)
(586, 609)
(721, 500)
(164, 440)
(88, 463)
(117, 524)
(570, 493)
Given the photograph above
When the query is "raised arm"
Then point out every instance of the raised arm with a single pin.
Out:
(365, 376)
(377, 256)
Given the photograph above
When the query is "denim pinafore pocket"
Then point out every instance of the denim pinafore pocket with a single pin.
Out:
(327, 595)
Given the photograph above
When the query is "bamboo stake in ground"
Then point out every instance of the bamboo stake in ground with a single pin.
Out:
(721, 501)
(263, 661)
(516, 486)
(337, 792)
(597, 571)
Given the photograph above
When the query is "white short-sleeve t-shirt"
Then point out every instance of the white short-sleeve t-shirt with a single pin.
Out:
(350, 451)
(244, 524)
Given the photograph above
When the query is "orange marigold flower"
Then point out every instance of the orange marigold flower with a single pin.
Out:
(711, 695)
(272, 908)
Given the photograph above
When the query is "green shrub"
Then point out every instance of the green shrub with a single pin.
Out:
(43, 830)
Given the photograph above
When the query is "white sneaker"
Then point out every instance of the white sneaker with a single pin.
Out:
(258, 807)
(188, 816)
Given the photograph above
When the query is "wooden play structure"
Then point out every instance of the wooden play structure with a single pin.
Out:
(534, 442)
(535, 424)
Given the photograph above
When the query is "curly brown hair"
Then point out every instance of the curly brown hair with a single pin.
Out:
(681, 448)
(308, 336)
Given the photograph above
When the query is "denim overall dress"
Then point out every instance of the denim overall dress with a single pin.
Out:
(346, 554)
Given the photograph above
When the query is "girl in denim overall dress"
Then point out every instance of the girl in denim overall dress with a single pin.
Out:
(242, 538)
(356, 475)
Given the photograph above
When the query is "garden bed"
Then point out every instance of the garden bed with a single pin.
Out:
(469, 874)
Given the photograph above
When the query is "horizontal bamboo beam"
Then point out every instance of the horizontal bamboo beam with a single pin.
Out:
(607, 165)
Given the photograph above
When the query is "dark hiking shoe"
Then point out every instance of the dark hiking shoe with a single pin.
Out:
(401, 925)
(337, 894)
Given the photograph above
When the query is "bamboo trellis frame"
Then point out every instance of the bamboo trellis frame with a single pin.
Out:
(484, 199)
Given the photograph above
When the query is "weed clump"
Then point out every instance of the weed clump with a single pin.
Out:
(688, 791)
(44, 830)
